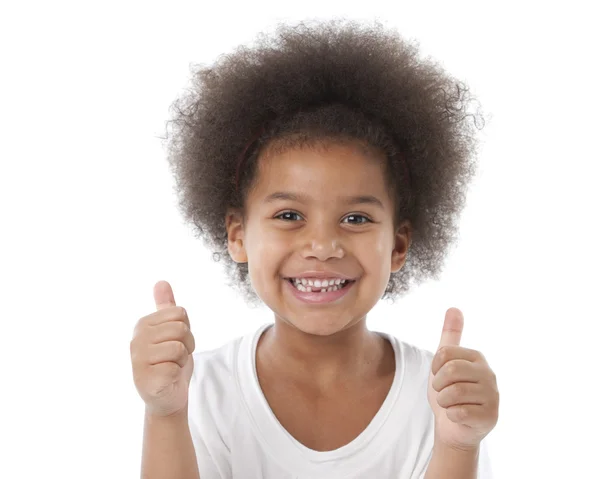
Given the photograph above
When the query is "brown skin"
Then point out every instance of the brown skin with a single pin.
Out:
(320, 346)
(162, 365)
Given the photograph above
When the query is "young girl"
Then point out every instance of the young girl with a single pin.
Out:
(327, 167)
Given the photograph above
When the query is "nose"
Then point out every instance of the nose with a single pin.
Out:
(322, 243)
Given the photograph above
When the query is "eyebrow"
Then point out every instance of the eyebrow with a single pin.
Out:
(349, 200)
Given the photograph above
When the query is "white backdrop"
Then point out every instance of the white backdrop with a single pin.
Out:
(89, 221)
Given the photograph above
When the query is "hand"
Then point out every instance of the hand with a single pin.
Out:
(161, 355)
(462, 390)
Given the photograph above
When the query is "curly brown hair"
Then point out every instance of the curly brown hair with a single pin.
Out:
(307, 85)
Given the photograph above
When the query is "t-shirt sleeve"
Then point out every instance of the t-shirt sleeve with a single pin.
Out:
(207, 465)
(210, 411)
(484, 470)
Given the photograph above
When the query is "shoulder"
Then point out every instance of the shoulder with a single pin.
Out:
(216, 372)
(215, 366)
(414, 361)
(214, 399)
(416, 367)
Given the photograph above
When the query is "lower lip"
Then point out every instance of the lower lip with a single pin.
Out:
(318, 297)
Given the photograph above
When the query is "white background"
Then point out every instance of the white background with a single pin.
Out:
(89, 221)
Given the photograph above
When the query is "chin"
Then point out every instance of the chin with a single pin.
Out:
(318, 326)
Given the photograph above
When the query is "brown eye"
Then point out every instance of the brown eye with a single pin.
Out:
(367, 220)
(286, 215)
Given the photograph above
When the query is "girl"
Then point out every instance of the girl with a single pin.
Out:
(327, 167)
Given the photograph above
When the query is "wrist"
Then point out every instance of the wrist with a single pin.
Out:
(154, 415)
(454, 448)
(450, 461)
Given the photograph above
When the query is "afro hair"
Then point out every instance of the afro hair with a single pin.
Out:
(319, 82)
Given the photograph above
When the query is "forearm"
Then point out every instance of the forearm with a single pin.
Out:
(447, 463)
(168, 450)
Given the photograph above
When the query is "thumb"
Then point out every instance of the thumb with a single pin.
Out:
(453, 328)
(163, 295)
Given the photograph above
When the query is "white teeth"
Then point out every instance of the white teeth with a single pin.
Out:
(319, 283)
(307, 286)
(322, 285)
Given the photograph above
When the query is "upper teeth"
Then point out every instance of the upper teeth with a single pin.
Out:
(314, 285)
(318, 283)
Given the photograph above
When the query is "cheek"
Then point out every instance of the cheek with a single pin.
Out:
(375, 259)
(270, 244)
(374, 250)
(265, 252)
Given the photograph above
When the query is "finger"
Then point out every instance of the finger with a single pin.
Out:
(163, 295)
(173, 331)
(453, 328)
(456, 371)
(450, 353)
(461, 393)
(165, 370)
(169, 351)
(471, 415)
(174, 313)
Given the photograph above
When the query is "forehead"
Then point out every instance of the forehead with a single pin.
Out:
(323, 171)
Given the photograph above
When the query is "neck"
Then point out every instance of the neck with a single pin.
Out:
(351, 354)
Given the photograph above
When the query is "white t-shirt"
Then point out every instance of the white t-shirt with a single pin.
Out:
(236, 435)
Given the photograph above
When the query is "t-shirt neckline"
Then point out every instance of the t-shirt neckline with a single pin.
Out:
(284, 447)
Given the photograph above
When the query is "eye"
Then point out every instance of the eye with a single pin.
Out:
(288, 214)
(367, 220)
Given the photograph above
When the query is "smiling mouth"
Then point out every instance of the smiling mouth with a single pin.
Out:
(316, 289)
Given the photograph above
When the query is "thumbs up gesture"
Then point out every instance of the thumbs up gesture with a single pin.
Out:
(161, 355)
(462, 390)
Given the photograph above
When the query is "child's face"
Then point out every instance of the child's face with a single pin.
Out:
(319, 232)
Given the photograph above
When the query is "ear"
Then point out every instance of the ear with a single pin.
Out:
(235, 235)
(401, 244)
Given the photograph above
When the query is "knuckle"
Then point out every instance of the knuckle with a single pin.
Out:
(459, 391)
(443, 354)
(145, 320)
(182, 328)
(179, 347)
